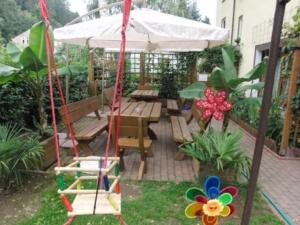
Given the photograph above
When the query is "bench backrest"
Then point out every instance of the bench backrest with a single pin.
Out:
(133, 127)
(109, 94)
(78, 110)
(145, 87)
(197, 115)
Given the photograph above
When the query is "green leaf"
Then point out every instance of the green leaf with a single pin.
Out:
(256, 86)
(8, 73)
(217, 79)
(7, 70)
(37, 41)
(257, 72)
(193, 91)
(29, 60)
(229, 67)
(14, 51)
(73, 69)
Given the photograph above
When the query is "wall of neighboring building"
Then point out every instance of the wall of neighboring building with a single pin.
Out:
(257, 24)
(22, 39)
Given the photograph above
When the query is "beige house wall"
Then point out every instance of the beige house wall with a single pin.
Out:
(257, 24)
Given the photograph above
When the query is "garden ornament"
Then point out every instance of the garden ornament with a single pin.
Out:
(208, 204)
(215, 104)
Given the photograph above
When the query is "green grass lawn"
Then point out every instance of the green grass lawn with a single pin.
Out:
(145, 203)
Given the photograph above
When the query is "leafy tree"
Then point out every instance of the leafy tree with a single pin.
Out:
(58, 9)
(93, 4)
(13, 20)
(183, 8)
(17, 16)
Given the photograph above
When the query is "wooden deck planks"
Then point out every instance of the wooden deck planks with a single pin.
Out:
(162, 166)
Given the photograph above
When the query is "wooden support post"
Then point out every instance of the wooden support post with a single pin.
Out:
(194, 75)
(288, 119)
(91, 76)
(142, 68)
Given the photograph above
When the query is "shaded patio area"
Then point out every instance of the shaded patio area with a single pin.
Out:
(162, 166)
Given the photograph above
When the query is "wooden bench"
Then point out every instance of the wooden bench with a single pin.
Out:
(181, 131)
(108, 97)
(87, 131)
(172, 106)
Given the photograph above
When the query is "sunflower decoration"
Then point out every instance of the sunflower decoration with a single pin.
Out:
(210, 203)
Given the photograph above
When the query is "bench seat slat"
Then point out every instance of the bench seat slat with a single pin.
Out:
(91, 130)
(177, 134)
(186, 133)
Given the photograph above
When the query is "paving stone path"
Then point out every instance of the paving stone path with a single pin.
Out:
(280, 178)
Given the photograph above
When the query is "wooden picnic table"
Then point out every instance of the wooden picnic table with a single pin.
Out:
(145, 94)
(148, 110)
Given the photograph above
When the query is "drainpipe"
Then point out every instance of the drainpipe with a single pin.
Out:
(233, 19)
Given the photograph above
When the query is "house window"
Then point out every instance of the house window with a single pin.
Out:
(223, 22)
(240, 27)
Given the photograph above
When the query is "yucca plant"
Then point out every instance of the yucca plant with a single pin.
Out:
(16, 154)
(220, 150)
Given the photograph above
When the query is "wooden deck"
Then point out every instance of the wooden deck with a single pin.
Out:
(162, 166)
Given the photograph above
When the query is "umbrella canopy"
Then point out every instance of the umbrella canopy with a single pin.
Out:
(148, 30)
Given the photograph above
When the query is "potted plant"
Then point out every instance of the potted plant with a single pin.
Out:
(219, 154)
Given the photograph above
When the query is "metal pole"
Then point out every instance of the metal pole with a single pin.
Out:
(266, 104)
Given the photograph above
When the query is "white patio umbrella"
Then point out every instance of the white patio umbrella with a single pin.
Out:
(148, 30)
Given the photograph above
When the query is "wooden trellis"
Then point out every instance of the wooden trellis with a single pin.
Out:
(145, 67)
(288, 120)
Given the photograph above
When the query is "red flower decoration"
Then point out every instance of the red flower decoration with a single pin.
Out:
(215, 104)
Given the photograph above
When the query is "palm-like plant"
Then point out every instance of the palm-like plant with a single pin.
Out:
(221, 150)
(16, 154)
(226, 78)
(31, 65)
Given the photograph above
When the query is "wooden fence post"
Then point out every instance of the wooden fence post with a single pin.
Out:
(288, 118)
(194, 74)
(142, 68)
(92, 88)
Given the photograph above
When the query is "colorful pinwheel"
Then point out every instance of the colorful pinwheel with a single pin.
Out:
(215, 105)
(210, 203)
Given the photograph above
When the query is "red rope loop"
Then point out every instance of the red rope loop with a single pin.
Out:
(51, 63)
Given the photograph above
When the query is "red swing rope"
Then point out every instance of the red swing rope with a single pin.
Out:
(119, 83)
(51, 61)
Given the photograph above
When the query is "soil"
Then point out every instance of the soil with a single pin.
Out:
(19, 204)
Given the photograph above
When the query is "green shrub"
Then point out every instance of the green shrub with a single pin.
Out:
(248, 110)
(17, 103)
(16, 154)
(212, 57)
(168, 88)
(220, 150)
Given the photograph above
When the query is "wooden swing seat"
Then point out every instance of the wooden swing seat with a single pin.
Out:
(83, 204)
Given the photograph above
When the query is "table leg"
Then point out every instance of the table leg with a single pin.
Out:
(152, 134)
(85, 148)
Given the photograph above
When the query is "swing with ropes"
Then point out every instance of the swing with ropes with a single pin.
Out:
(105, 199)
